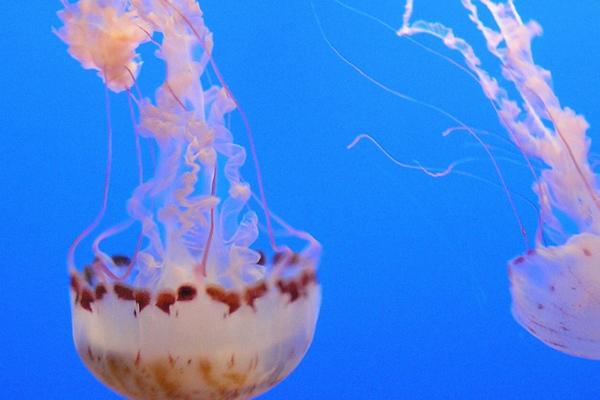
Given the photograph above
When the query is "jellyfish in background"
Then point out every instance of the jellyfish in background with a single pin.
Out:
(194, 312)
(555, 287)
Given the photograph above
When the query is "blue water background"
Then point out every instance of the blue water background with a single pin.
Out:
(415, 291)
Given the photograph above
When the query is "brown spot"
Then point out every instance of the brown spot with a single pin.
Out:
(138, 358)
(186, 293)
(308, 277)
(164, 301)
(587, 252)
(142, 298)
(121, 261)
(518, 260)
(123, 292)
(232, 299)
(100, 291)
(88, 274)
(552, 288)
(255, 292)
(293, 259)
(74, 283)
(262, 260)
(290, 288)
(297, 287)
(278, 257)
(87, 298)
(540, 306)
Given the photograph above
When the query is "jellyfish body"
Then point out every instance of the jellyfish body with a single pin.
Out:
(556, 286)
(192, 340)
(556, 295)
(196, 312)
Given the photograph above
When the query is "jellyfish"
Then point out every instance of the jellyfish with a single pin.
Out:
(196, 310)
(555, 284)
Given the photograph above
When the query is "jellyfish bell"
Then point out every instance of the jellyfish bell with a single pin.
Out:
(195, 311)
(191, 339)
(556, 295)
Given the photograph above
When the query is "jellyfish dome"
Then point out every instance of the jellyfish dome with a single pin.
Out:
(555, 286)
(195, 311)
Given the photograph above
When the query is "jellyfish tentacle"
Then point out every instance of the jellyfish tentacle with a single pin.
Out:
(539, 101)
(138, 144)
(450, 169)
(256, 162)
(434, 28)
(427, 171)
(291, 231)
(438, 30)
(245, 122)
(403, 32)
(201, 269)
(135, 84)
(106, 188)
(183, 107)
(491, 88)
(106, 263)
(584, 175)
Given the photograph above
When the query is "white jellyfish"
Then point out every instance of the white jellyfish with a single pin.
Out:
(555, 286)
(194, 312)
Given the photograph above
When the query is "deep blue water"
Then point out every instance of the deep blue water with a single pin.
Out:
(416, 302)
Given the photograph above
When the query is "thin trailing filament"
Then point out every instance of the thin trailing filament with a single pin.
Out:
(401, 32)
(403, 96)
(426, 171)
(105, 191)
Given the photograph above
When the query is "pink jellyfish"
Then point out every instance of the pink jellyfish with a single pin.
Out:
(195, 311)
(555, 287)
